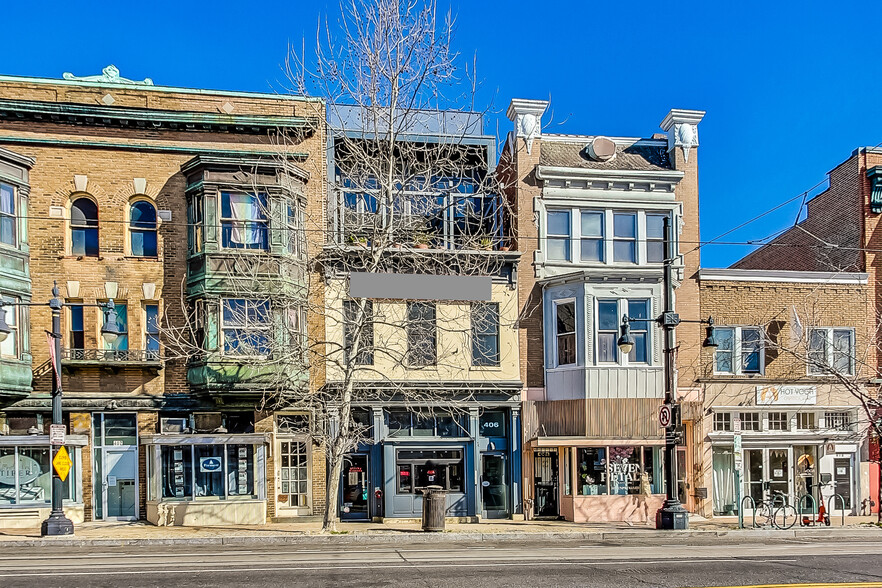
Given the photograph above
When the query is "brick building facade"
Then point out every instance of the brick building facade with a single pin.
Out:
(136, 193)
(588, 214)
(783, 392)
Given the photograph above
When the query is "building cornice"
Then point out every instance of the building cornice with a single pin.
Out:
(544, 172)
(153, 119)
(782, 276)
(140, 87)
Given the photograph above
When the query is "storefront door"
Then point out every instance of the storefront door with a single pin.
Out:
(355, 488)
(842, 478)
(115, 481)
(545, 483)
(494, 486)
(768, 471)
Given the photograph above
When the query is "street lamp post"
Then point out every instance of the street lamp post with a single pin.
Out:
(58, 523)
(672, 515)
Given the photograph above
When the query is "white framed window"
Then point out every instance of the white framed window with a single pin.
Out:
(9, 347)
(739, 350)
(806, 421)
(722, 421)
(838, 420)
(750, 421)
(565, 331)
(831, 350)
(597, 236)
(608, 330)
(245, 327)
(558, 235)
(779, 421)
(592, 246)
(625, 237)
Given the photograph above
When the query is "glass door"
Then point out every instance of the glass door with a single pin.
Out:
(545, 483)
(115, 471)
(753, 465)
(494, 486)
(120, 483)
(779, 471)
(355, 488)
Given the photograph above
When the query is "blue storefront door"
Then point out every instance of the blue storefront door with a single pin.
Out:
(355, 488)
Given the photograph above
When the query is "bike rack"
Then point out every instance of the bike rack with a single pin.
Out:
(841, 504)
(810, 512)
(741, 511)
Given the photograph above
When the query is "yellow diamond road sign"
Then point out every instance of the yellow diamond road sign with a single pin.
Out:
(62, 463)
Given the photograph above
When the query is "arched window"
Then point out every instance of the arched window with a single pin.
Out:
(142, 228)
(84, 227)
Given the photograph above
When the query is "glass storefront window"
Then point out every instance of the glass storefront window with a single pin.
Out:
(418, 469)
(177, 471)
(26, 475)
(240, 470)
(214, 471)
(724, 481)
(568, 491)
(618, 470)
(592, 471)
(624, 470)
(208, 466)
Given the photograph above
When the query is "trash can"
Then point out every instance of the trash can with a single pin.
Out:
(434, 508)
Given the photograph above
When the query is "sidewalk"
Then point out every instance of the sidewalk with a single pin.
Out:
(390, 531)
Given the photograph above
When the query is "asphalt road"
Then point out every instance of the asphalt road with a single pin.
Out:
(546, 564)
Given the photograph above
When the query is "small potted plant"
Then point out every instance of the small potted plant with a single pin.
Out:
(485, 243)
(358, 240)
(421, 240)
(504, 247)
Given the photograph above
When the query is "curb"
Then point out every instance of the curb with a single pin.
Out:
(729, 536)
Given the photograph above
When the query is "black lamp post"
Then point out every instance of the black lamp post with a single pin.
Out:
(672, 514)
(58, 523)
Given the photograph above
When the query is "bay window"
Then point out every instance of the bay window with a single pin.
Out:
(9, 347)
(244, 222)
(8, 216)
(246, 326)
(608, 330)
(565, 332)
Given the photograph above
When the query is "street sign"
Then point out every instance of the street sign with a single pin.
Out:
(664, 416)
(56, 434)
(739, 454)
(62, 463)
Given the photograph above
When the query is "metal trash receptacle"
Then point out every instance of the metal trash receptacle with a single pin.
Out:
(434, 508)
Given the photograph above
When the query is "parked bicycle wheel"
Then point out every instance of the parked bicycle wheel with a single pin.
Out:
(784, 517)
(763, 515)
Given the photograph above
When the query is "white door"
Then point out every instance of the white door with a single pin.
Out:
(120, 483)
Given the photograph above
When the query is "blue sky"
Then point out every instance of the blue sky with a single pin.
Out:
(790, 88)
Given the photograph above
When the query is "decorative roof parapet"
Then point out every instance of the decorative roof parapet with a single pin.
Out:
(527, 116)
(682, 129)
(109, 75)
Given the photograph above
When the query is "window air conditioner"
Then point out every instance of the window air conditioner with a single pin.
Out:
(173, 425)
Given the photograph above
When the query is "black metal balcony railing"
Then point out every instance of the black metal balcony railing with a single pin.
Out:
(111, 355)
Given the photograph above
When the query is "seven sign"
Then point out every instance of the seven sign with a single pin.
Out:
(62, 463)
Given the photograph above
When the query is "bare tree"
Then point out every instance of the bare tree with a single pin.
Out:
(410, 192)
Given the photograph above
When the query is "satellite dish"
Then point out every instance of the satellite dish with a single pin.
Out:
(601, 149)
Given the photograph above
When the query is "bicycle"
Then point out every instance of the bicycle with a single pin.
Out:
(777, 512)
